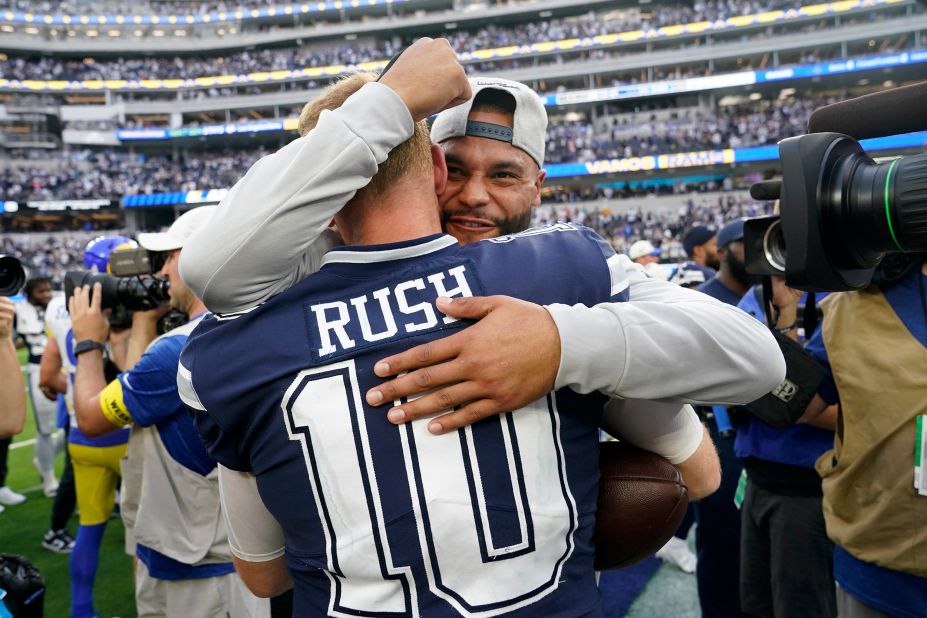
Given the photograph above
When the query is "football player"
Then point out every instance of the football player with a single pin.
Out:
(95, 459)
(667, 343)
(369, 518)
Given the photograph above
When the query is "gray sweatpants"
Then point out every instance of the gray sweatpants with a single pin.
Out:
(46, 422)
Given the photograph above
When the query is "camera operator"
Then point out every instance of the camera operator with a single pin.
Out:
(12, 391)
(170, 499)
(874, 342)
(782, 523)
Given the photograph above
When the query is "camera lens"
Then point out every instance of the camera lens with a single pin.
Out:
(774, 246)
(12, 275)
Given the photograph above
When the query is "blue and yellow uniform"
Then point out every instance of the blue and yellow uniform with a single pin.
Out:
(96, 472)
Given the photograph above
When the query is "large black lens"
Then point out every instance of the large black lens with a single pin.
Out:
(842, 212)
(12, 275)
(130, 293)
(875, 208)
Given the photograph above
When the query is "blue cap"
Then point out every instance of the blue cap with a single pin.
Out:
(697, 236)
(731, 232)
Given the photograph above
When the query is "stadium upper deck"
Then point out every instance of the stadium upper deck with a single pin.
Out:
(596, 49)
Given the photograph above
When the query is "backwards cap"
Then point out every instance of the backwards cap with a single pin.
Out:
(530, 124)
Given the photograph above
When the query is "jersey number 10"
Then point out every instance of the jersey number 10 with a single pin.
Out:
(323, 411)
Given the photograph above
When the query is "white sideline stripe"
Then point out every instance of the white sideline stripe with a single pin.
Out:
(17, 445)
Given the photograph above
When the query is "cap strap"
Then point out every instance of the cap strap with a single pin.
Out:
(489, 130)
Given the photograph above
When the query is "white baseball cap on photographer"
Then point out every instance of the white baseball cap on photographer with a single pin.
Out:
(530, 124)
(179, 232)
(642, 248)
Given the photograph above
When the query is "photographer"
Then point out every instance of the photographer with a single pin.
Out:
(874, 342)
(170, 499)
(12, 392)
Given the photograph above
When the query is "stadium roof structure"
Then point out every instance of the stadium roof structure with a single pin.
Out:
(652, 58)
(26, 38)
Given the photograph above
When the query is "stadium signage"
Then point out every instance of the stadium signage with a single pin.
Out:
(58, 205)
(730, 80)
(663, 162)
(668, 161)
(209, 130)
(727, 156)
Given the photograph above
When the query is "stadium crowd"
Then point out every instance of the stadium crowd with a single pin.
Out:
(51, 255)
(488, 37)
(109, 173)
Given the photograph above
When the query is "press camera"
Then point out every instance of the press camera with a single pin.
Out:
(12, 275)
(841, 210)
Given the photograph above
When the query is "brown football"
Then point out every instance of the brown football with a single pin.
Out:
(642, 500)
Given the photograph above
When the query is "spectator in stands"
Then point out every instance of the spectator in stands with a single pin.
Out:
(701, 245)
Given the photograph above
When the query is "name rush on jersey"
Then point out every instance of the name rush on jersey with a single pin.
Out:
(399, 309)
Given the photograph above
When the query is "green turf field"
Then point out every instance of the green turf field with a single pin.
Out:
(22, 527)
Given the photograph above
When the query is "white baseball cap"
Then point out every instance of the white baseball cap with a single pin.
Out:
(530, 125)
(642, 248)
(179, 232)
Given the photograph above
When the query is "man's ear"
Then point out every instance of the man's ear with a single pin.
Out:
(440, 168)
(537, 187)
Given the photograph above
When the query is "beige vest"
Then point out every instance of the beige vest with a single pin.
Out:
(870, 505)
(165, 505)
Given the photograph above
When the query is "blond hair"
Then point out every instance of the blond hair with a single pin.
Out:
(411, 156)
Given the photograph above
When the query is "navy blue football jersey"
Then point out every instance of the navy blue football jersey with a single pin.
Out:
(385, 520)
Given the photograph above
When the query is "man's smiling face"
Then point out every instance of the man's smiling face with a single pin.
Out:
(491, 185)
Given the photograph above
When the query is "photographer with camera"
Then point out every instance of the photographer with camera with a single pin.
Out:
(12, 392)
(856, 226)
(170, 499)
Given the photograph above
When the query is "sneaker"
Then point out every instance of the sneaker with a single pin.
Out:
(49, 482)
(676, 552)
(50, 486)
(58, 541)
(10, 497)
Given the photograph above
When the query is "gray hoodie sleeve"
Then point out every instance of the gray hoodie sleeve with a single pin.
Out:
(268, 231)
(667, 344)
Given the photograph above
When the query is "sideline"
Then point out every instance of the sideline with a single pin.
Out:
(21, 444)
